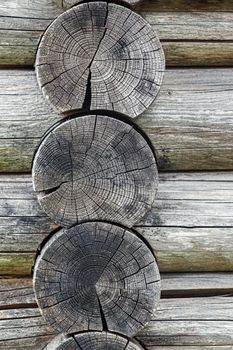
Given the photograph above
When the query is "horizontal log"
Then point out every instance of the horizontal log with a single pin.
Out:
(185, 22)
(194, 322)
(178, 322)
(190, 124)
(190, 226)
(18, 293)
(198, 321)
(203, 54)
(16, 264)
(196, 284)
(185, 5)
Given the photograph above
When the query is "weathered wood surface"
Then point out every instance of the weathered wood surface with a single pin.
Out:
(17, 293)
(190, 227)
(190, 123)
(181, 323)
(100, 56)
(95, 167)
(92, 341)
(67, 4)
(96, 276)
(182, 31)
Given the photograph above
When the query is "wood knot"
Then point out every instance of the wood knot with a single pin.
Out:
(97, 276)
(100, 55)
(95, 167)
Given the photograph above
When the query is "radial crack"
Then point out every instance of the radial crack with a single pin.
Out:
(87, 99)
(103, 319)
(46, 192)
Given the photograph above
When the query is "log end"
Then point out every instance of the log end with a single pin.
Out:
(97, 276)
(93, 341)
(95, 168)
(100, 56)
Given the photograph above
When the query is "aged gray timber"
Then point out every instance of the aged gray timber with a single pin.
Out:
(103, 56)
(23, 23)
(190, 123)
(190, 228)
(186, 5)
(25, 329)
(182, 323)
(69, 3)
(93, 341)
(95, 167)
(17, 293)
(96, 276)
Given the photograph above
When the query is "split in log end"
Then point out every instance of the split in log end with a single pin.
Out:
(100, 56)
(95, 168)
(97, 277)
(93, 341)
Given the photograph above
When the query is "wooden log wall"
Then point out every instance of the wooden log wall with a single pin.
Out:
(190, 228)
(95, 171)
(194, 33)
(197, 317)
(190, 124)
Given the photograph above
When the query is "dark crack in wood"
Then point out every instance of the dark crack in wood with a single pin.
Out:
(110, 280)
(93, 341)
(100, 56)
(95, 167)
(103, 319)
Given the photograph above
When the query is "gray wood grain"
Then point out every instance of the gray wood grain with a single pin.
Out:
(70, 3)
(17, 293)
(182, 323)
(196, 284)
(187, 6)
(92, 341)
(192, 217)
(96, 276)
(173, 19)
(190, 123)
(100, 55)
(95, 167)
(25, 329)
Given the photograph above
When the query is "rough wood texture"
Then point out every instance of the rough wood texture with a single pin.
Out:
(182, 323)
(100, 55)
(23, 328)
(187, 6)
(190, 124)
(96, 276)
(23, 23)
(190, 228)
(93, 341)
(95, 167)
(190, 322)
(196, 284)
(70, 3)
(18, 293)
(19, 264)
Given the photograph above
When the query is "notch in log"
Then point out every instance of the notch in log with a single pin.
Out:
(103, 56)
(96, 276)
(93, 341)
(95, 167)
